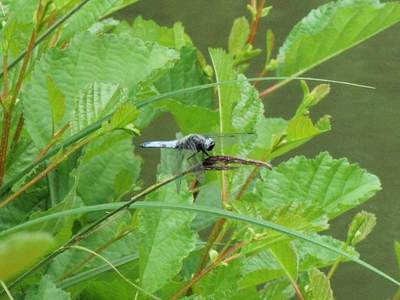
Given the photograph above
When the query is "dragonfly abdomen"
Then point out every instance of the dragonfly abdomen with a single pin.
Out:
(159, 144)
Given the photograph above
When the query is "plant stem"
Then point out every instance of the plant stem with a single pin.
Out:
(273, 88)
(255, 22)
(215, 231)
(8, 107)
(17, 133)
(4, 142)
(206, 270)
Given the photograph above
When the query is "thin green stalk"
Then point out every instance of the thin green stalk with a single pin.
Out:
(4, 286)
(221, 213)
(143, 291)
(82, 276)
(95, 126)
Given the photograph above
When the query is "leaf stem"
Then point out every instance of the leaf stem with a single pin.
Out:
(206, 270)
(255, 22)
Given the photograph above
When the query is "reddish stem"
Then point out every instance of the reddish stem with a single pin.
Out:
(255, 22)
(207, 269)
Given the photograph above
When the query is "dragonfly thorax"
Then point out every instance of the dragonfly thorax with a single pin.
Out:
(196, 142)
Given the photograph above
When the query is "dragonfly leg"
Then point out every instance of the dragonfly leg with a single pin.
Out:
(205, 152)
(191, 156)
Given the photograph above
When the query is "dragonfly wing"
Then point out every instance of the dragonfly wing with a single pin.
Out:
(232, 143)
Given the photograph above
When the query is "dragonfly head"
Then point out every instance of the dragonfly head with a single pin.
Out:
(209, 143)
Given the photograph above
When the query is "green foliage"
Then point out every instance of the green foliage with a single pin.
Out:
(318, 286)
(360, 227)
(84, 96)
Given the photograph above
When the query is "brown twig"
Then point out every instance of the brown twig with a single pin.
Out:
(215, 231)
(207, 269)
(255, 21)
(274, 87)
(8, 108)
(17, 133)
(54, 139)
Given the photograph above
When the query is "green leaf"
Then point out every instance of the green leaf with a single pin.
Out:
(318, 287)
(21, 250)
(47, 290)
(311, 99)
(322, 185)
(191, 118)
(62, 228)
(238, 35)
(360, 227)
(95, 101)
(125, 115)
(89, 14)
(299, 131)
(249, 110)
(312, 256)
(228, 94)
(89, 60)
(148, 30)
(57, 101)
(286, 256)
(270, 44)
(278, 290)
(16, 32)
(186, 73)
(103, 161)
(397, 252)
(331, 29)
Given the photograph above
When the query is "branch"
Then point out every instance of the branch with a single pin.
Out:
(255, 22)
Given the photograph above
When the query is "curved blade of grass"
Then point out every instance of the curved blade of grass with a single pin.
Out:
(95, 126)
(3, 285)
(224, 214)
(71, 281)
(116, 271)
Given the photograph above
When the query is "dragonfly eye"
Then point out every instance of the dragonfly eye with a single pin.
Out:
(211, 145)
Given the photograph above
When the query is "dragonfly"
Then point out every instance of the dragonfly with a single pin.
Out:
(198, 143)
(192, 142)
